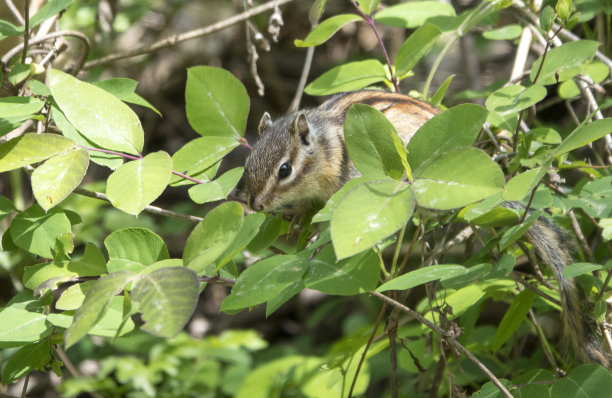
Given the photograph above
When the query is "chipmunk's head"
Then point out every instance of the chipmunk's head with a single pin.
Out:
(284, 168)
(275, 168)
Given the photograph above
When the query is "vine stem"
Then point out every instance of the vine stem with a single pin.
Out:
(370, 21)
(448, 337)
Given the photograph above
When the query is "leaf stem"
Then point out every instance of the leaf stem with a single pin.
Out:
(370, 21)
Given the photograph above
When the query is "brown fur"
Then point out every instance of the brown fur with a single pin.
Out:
(320, 166)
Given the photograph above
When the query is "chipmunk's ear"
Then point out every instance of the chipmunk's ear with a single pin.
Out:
(301, 129)
(264, 123)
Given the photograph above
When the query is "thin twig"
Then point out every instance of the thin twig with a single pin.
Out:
(370, 21)
(448, 337)
(217, 280)
(366, 348)
(543, 342)
(149, 209)
(581, 239)
(192, 34)
(297, 98)
(25, 385)
(72, 369)
(15, 11)
(26, 30)
(517, 277)
(15, 50)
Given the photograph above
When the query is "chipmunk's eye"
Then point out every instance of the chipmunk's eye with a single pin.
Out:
(284, 171)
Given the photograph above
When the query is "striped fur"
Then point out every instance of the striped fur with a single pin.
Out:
(312, 142)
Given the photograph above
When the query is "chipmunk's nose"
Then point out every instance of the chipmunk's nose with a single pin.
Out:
(253, 205)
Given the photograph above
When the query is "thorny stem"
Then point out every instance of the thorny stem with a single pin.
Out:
(370, 21)
(448, 337)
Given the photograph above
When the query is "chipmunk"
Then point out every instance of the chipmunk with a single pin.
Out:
(301, 158)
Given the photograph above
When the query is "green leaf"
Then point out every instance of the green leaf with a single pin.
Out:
(263, 281)
(515, 233)
(513, 318)
(166, 298)
(325, 213)
(455, 127)
(69, 131)
(217, 189)
(6, 207)
(576, 269)
(136, 244)
(200, 154)
(415, 48)
(583, 135)
(212, 236)
(19, 106)
(563, 58)
(217, 103)
(563, 9)
(438, 96)
(124, 89)
(36, 231)
(267, 235)
(412, 14)
(48, 10)
(606, 225)
(369, 213)
(31, 148)
(112, 324)
(584, 381)
(19, 327)
(326, 29)
(472, 274)
(119, 87)
(350, 76)
(19, 73)
(368, 135)
(73, 297)
(8, 29)
(248, 231)
(456, 179)
(368, 6)
(61, 271)
(511, 99)
(28, 358)
(53, 181)
(507, 32)
(98, 115)
(547, 17)
(136, 184)
(348, 277)
(95, 305)
(522, 184)
(423, 275)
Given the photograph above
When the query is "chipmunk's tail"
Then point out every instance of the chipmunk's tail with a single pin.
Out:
(553, 245)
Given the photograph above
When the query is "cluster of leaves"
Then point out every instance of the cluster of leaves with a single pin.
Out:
(438, 181)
